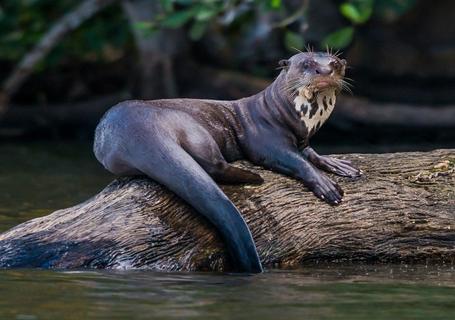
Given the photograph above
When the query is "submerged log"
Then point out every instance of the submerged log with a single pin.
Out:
(402, 210)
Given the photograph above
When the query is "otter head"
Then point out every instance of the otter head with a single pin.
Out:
(311, 80)
(313, 72)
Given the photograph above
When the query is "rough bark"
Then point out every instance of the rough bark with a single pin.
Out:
(403, 209)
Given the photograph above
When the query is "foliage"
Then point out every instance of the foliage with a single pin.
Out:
(358, 12)
(339, 39)
(23, 22)
(198, 15)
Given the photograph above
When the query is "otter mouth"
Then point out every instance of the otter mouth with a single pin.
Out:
(318, 86)
(323, 84)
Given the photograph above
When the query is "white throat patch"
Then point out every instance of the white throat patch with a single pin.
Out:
(314, 109)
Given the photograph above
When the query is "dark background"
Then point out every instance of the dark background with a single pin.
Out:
(401, 54)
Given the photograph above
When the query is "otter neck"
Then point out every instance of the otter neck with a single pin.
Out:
(275, 102)
(303, 114)
(314, 108)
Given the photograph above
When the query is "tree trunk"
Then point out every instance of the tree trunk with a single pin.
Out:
(403, 209)
(156, 51)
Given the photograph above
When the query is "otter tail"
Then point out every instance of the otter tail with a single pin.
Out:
(172, 166)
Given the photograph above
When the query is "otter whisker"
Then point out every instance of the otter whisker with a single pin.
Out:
(346, 87)
(347, 83)
(337, 53)
(293, 90)
(349, 91)
(309, 49)
(293, 87)
(294, 84)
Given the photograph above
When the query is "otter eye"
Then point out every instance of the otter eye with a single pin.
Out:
(283, 64)
(306, 64)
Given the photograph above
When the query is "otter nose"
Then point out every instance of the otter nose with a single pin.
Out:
(323, 70)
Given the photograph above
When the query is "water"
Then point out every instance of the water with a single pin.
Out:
(36, 179)
(388, 292)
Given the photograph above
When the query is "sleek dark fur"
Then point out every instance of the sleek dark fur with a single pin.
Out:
(187, 144)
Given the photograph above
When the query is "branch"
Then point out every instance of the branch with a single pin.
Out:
(67, 23)
(402, 210)
(298, 14)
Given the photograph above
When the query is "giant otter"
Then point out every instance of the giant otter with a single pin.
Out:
(187, 144)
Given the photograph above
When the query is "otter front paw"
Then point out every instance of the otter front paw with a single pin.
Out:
(339, 167)
(326, 189)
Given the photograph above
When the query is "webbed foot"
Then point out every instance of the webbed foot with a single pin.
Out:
(339, 167)
(336, 166)
(324, 188)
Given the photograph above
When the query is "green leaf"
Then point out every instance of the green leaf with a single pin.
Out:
(357, 11)
(350, 12)
(204, 14)
(293, 40)
(340, 38)
(177, 19)
(197, 30)
(275, 4)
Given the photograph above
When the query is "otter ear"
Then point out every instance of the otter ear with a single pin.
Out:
(284, 64)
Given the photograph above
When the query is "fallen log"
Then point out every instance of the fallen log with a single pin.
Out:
(402, 210)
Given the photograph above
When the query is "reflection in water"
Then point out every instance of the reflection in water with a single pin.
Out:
(36, 179)
(330, 292)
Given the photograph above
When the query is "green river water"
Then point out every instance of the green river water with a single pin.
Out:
(38, 178)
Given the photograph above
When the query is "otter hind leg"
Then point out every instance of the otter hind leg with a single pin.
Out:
(169, 164)
(232, 175)
(225, 173)
(158, 152)
(207, 154)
